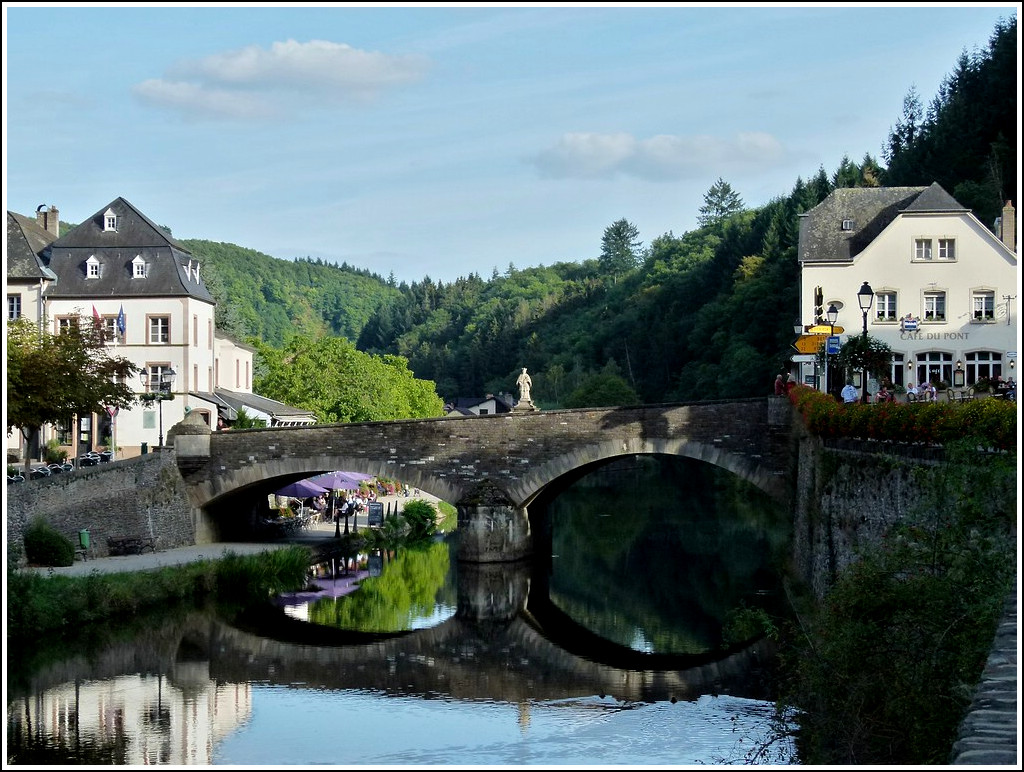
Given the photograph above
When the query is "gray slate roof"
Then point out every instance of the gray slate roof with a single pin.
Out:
(272, 407)
(822, 239)
(168, 261)
(26, 242)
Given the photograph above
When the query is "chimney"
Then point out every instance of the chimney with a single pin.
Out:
(48, 219)
(1008, 226)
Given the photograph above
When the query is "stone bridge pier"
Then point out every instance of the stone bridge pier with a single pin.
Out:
(490, 467)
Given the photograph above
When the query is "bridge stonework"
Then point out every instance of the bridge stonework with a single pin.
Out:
(491, 467)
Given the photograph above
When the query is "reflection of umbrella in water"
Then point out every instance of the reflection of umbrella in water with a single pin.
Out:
(302, 489)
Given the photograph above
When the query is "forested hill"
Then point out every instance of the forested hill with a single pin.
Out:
(709, 312)
(270, 299)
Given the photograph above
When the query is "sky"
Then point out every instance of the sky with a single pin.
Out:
(434, 141)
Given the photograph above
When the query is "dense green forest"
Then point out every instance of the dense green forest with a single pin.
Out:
(708, 312)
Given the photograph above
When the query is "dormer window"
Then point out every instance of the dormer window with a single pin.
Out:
(847, 225)
(92, 268)
(109, 221)
(138, 268)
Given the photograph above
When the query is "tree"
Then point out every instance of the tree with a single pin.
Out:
(720, 202)
(620, 247)
(52, 378)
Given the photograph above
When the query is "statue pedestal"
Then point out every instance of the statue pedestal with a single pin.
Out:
(525, 405)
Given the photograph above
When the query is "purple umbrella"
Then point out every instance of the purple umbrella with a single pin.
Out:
(302, 489)
(341, 480)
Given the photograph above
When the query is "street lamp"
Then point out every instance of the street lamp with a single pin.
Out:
(832, 314)
(158, 390)
(865, 297)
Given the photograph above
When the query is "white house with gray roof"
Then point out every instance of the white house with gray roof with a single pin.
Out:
(148, 293)
(945, 285)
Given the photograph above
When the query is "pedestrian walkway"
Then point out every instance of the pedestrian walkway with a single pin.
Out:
(318, 535)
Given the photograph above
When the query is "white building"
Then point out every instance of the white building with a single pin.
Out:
(945, 286)
(148, 293)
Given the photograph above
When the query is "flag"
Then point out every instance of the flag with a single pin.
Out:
(96, 317)
(120, 322)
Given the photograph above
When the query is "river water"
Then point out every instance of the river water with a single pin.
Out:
(628, 641)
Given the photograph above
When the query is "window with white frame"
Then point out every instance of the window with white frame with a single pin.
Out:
(983, 306)
(847, 224)
(935, 367)
(159, 329)
(885, 306)
(947, 249)
(896, 371)
(13, 307)
(66, 323)
(138, 268)
(922, 249)
(935, 306)
(157, 378)
(109, 326)
(983, 364)
(92, 268)
(64, 434)
(109, 220)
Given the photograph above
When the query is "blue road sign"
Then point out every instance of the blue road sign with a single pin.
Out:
(832, 345)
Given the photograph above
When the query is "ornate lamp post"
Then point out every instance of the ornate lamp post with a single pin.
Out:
(865, 297)
(158, 390)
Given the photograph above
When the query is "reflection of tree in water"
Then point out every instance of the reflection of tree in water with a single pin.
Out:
(655, 552)
(412, 582)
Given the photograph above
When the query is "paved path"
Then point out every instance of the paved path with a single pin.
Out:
(315, 535)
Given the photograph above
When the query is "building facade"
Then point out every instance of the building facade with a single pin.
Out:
(148, 295)
(944, 286)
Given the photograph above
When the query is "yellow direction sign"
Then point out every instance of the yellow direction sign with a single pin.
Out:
(824, 329)
(809, 344)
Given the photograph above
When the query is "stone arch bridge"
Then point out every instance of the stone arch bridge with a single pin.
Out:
(490, 467)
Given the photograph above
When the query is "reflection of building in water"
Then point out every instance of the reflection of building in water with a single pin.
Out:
(524, 715)
(156, 719)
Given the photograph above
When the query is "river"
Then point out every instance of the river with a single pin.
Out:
(630, 640)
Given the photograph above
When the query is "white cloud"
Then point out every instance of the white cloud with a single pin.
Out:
(254, 82)
(662, 157)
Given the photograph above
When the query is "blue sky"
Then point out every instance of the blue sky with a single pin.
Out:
(442, 140)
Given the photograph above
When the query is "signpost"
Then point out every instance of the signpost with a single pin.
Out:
(375, 513)
(809, 344)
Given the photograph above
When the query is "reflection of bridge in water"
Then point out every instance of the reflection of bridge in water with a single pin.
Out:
(494, 647)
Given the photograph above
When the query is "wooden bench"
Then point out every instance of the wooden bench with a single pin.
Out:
(131, 545)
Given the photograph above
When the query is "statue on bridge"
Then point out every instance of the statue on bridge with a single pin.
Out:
(524, 382)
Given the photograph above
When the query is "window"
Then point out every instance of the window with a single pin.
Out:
(922, 249)
(138, 268)
(109, 221)
(66, 323)
(983, 304)
(109, 326)
(847, 225)
(64, 432)
(935, 306)
(935, 367)
(885, 306)
(983, 364)
(897, 370)
(13, 307)
(155, 378)
(159, 329)
(92, 268)
(947, 249)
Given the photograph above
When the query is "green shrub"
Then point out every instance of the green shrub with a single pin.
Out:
(45, 546)
(420, 518)
(53, 453)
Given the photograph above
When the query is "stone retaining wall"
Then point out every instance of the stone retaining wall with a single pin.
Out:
(142, 496)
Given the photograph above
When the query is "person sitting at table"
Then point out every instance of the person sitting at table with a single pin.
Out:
(884, 395)
(912, 392)
(1011, 389)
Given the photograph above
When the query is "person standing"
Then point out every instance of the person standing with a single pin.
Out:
(780, 385)
(849, 393)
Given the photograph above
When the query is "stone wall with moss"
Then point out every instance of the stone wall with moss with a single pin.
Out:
(143, 496)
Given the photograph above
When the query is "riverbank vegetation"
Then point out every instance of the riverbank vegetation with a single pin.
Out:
(882, 671)
(43, 606)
